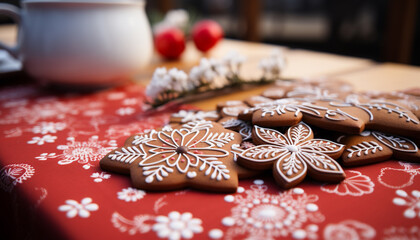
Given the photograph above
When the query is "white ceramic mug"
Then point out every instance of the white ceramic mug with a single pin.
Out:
(81, 42)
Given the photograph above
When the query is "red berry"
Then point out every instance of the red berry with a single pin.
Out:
(170, 43)
(206, 34)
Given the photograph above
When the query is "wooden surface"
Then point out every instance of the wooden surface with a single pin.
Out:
(384, 77)
(362, 73)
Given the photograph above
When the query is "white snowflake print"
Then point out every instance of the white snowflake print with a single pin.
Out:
(411, 202)
(174, 226)
(131, 194)
(349, 230)
(125, 111)
(41, 140)
(355, 184)
(259, 215)
(48, 127)
(85, 152)
(82, 209)
(99, 177)
(12, 174)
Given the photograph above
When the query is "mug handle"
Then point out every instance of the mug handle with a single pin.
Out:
(14, 13)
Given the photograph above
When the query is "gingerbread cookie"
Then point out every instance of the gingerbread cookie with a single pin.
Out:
(255, 100)
(289, 111)
(351, 116)
(293, 155)
(242, 127)
(371, 147)
(184, 116)
(195, 155)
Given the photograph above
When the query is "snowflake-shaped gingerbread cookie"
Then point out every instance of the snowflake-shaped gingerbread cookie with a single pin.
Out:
(293, 155)
(186, 156)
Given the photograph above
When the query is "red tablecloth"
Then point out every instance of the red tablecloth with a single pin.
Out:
(51, 183)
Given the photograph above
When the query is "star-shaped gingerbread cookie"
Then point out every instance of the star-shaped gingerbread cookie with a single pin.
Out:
(293, 155)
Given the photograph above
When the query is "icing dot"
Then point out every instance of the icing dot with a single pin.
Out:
(365, 133)
(312, 207)
(292, 148)
(229, 198)
(228, 221)
(163, 155)
(172, 158)
(182, 160)
(299, 234)
(298, 191)
(215, 233)
(258, 182)
(191, 174)
(240, 190)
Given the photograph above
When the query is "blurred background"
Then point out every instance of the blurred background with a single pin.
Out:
(382, 30)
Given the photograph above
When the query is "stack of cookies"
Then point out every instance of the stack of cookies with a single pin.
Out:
(293, 129)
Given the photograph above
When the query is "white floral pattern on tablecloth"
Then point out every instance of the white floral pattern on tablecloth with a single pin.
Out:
(405, 178)
(85, 152)
(100, 176)
(12, 174)
(349, 230)
(292, 213)
(356, 184)
(131, 194)
(409, 200)
(174, 226)
(407, 233)
(83, 209)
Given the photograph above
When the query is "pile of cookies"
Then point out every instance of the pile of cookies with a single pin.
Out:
(294, 129)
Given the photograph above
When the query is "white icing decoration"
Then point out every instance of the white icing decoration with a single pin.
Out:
(396, 142)
(191, 174)
(353, 101)
(365, 133)
(245, 129)
(363, 148)
(128, 154)
(233, 103)
(293, 152)
(234, 110)
(200, 149)
(187, 116)
(240, 190)
(198, 125)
